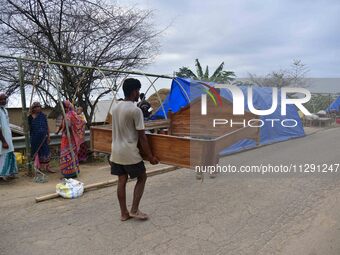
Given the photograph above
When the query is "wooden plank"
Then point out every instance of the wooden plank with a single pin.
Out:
(179, 151)
(153, 124)
(101, 139)
(156, 124)
(190, 122)
(168, 148)
(101, 136)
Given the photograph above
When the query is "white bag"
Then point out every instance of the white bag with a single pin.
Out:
(70, 188)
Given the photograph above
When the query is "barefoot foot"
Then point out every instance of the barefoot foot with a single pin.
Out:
(125, 217)
(139, 215)
(51, 171)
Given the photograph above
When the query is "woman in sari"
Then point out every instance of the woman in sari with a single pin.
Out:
(69, 164)
(39, 137)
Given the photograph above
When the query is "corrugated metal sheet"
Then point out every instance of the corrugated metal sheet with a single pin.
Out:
(19, 142)
(101, 111)
(16, 129)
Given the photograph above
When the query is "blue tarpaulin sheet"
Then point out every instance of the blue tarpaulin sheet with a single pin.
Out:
(185, 90)
(335, 106)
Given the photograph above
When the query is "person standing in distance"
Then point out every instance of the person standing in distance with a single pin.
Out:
(8, 164)
(127, 131)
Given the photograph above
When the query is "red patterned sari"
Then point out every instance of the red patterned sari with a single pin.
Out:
(76, 125)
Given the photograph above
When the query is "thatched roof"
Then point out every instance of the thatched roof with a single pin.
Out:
(154, 101)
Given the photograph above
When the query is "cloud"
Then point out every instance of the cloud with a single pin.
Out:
(248, 35)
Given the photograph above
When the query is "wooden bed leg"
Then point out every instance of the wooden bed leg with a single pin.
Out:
(170, 115)
(209, 154)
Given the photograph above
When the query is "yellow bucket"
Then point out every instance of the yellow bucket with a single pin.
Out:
(18, 157)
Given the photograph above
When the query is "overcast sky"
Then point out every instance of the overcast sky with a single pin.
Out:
(249, 36)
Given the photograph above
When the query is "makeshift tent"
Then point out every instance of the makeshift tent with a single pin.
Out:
(335, 106)
(183, 91)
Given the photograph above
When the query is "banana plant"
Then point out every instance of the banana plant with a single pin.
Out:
(218, 76)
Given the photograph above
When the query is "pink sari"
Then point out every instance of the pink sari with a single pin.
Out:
(76, 126)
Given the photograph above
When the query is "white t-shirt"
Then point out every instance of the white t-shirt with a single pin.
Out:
(127, 118)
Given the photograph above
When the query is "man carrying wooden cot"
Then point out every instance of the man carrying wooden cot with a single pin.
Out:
(127, 131)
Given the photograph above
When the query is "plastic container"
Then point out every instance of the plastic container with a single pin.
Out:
(18, 157)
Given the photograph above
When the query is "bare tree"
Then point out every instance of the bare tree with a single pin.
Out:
(294, 76)
(91, 33)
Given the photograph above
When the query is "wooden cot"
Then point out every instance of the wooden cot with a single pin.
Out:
(187, 139)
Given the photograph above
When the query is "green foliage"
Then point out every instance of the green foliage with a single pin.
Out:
(186, 73)
(206, 74)
(318, 102)
(218, 76)
(199, 70)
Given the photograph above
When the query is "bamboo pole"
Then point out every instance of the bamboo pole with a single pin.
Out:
(66, 123)
(107, 183)
(103, 69)
(86, 188)
(24, 117)
(68, 134)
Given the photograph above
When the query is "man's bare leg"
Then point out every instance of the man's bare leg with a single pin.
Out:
(137, 195)
(121, 193)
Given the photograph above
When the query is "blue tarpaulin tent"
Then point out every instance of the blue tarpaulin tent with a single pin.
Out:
(184, 91)
(335, 106)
